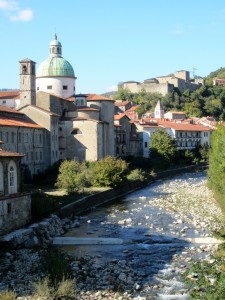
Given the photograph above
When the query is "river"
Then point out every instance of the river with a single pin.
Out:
(164, 228)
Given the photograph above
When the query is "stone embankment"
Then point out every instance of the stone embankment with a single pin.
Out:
(164, 217)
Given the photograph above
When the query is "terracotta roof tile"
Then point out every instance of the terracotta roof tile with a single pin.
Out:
(4, 153)
(121, 103)
(95, 97)
(133, 108)
(120, 116)
(8, 109)
(182, 127)
(6, 121)
(10, 94)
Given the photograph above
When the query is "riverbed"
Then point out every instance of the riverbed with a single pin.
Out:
(164, 228)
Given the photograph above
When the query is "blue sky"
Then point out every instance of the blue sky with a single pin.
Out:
(108, 41)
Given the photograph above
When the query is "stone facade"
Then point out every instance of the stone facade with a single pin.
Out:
(15, 212)
(15, 208)
(165, 84)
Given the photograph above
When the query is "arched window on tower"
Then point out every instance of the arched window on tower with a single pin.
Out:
(24, 69)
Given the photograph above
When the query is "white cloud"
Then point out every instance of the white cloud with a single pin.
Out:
(14, 12)
(112, 88)
(8, 5)
(23, 15)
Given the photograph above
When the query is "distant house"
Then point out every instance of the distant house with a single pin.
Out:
(174, 115)
(10, 98)
(122, 106)
(218, 81)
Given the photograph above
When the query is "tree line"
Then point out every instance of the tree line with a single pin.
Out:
(208, 100)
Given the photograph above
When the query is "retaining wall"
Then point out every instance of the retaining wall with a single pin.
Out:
(87, 203)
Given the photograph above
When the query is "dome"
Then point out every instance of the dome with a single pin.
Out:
(55, 66)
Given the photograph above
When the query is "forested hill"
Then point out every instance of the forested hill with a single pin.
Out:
(208, 100)
(220, 73)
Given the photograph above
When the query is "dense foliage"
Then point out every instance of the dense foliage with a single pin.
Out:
(163, 148)
(216, 170)
(220, 73)
(73, 176)
(110, 171)
(206, 101)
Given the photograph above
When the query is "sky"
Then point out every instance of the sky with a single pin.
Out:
(110, 41)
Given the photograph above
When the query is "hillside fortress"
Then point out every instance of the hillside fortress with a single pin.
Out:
(165, 84)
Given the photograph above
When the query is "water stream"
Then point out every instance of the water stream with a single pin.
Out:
(157, 225)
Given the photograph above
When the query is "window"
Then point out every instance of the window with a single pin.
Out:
(19, 137)
(12, 136)
(24, 70)
(64, 87)
(60, 128)
(6, 137)
(40, 138)
(0, 135)
(38, 88)
(9, 208)
(36, 155)
(76, 131)
(146, 144)
(49, 87)
(4, 101)
(11, 176)
(40, 155)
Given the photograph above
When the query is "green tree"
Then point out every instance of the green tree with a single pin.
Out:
(110, 171)
(162, 147)
(216, 170)
(73, 176)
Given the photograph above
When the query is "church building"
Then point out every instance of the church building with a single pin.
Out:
(73, 126)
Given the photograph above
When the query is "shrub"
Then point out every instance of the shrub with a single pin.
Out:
(73, 176)
(137, 174)
(110, 171)
(7, 295)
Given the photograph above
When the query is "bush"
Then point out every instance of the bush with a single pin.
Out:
(110, 171)
(73, 176)
(7, 295)
(137, 174)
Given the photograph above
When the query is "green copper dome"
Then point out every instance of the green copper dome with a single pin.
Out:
(55, 66)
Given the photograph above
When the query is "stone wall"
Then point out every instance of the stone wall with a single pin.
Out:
(15, 212)
(36, 235)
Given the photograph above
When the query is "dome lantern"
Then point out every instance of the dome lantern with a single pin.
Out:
(55, 74)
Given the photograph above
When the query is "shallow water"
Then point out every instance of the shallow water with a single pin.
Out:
(154, 237)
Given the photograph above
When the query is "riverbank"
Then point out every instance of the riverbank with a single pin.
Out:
(155, 224)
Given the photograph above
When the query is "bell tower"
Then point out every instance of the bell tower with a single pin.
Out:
(27, 82)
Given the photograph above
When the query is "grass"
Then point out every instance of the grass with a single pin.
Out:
(47, 201)
(7, 295)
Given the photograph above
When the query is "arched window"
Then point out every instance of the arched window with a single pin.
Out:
(24, 71)
(12, 177)
(1, 180)
(76, 131)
